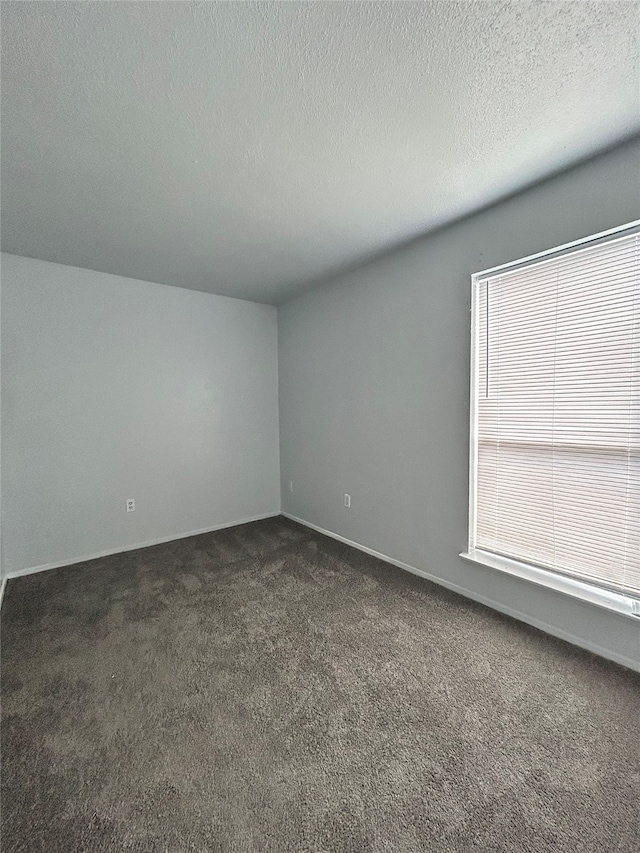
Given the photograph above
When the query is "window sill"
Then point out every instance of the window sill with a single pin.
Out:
(616, 601)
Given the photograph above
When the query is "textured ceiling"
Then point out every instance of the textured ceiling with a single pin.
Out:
(248, 149)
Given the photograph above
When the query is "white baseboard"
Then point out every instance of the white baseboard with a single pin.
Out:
(123, 548)
(630, 663)
(2, 587)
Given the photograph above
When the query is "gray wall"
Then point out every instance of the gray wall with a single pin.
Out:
(374, 393)
(2, 569)
(115, 388)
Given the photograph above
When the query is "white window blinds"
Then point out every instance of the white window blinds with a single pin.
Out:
(557, 413)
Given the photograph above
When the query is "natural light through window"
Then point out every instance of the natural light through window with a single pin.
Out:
(555, 444)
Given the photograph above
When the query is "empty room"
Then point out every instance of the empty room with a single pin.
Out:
(320, 427)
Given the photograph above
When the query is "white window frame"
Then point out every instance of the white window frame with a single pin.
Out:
(585, 591)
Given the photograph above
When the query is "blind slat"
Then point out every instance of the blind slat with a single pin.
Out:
(557, 418)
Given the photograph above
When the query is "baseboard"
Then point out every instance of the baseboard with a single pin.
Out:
(2, 588)
(124, 548)
(561, 634)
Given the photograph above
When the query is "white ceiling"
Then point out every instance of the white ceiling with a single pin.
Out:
(249, 149)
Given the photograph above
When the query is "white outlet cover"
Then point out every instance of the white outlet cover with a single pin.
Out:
(131, 505)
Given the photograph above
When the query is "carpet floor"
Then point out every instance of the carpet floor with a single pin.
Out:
(265, 688)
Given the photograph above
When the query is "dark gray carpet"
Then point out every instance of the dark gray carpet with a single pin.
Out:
(265, 688)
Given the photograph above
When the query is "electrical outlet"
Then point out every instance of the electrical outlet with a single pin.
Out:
(131, 505)
(347, 501)
(291, 485)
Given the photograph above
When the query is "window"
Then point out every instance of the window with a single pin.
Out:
(555, 425)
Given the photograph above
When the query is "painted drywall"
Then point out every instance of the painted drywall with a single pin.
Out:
(2, 571)
(374, 392)
(248, 148)
(116, 389)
